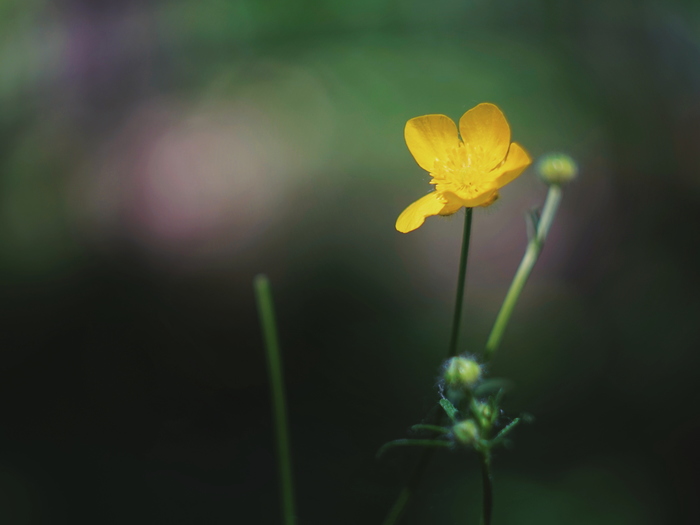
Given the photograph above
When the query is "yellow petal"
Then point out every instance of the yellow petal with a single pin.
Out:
(488, 194)
(516, 162)
(486, 135)
(430, 138)
(431, 204)
(493, 198)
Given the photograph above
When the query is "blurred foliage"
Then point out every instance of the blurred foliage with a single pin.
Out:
(132, 379)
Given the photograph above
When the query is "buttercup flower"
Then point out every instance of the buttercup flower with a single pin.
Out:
(466, 172)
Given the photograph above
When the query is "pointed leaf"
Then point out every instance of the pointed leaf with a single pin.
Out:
(413, 443)
(431, 428)
(503, 433)
(449, 409)
(493, 385)
(532, 219)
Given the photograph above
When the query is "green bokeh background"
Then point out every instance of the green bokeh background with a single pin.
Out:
(155, 156)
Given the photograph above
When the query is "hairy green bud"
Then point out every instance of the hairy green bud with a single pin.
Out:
(466, 432)
(461, 372)
(485, 410)
(557, 168)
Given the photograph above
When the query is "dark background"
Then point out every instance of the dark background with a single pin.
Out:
(155, 156)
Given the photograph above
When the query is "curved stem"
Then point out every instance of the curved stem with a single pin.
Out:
(532, 252)
(461, 278)
(263, 296)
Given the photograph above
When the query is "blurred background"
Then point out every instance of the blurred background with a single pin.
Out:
(156, 155)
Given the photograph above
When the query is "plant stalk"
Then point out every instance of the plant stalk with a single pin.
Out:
(426, 456)
(532, 253)
(461, 279)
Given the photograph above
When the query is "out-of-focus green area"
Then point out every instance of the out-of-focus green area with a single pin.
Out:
(155, 156)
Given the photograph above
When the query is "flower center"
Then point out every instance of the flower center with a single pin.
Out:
(458, 174)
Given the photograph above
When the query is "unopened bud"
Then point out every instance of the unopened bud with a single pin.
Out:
(466, 432)
(557, 168)
(485, 410)
(461, 372)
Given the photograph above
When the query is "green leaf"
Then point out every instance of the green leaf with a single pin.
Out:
(503, 433)
(449, 409)
(413, 443)
(493, 385)
(496, 401)
(532, 220)
(431, 428)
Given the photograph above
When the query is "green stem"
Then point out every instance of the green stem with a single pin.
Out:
(266, 313)
(487, 482)
(461, 278)
(427, 454)
(532, 252)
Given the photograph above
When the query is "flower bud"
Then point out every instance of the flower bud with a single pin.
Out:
(461, 372)
(557, 168)
(485, 410)
(466, 432)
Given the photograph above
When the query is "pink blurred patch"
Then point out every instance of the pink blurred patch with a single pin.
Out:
(195, 184)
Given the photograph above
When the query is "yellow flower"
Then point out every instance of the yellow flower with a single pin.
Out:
(466, 172)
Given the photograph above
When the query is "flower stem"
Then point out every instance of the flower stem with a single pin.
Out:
(532, 252)
(427, 454)
(487, 487)
(263, 296)
(461, 278)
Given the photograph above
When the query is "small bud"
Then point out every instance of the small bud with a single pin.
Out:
(557, 168)
(485, 410)
(461, 372)
(466, 432)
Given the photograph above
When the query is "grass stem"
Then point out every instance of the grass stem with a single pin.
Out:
(266, 312)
